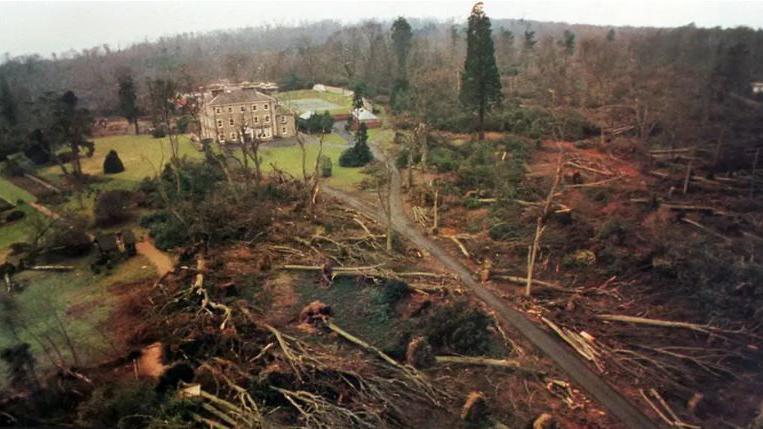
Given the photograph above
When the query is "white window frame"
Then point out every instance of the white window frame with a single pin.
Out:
(267, 106)
(267, 118)
(218, 110)
(283, 119)
(243, 108)
(219, 123)
(230, 109)
(283, 130)
(254, 107)
(231, 121)
(256, 119)
(233, 135)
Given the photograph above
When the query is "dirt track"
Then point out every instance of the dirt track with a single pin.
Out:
(567, 360)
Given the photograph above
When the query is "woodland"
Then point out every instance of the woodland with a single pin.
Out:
(557, 226)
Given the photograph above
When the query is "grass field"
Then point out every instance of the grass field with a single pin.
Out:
(343, 103)
(289, 159)
(141, 155)
(81, 300)
(20, 229)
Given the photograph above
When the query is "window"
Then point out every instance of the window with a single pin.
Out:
(267, 106)
(233, 135)
(219, 123)
(230, 110)
(218, 110)
(221, 137)
(283, 119)
(283, 130)
(230, 121)
(254, 107)
(256, 120)
(243, 108)
(267, 118)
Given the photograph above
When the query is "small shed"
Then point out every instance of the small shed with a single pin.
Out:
(364, 116)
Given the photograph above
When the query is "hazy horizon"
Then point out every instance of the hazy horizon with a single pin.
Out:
(58, 27)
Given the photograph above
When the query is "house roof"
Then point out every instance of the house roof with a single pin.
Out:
(364, 115)
(239, 96)
(307, 115)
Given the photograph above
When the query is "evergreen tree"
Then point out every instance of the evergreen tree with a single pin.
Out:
(112, 164)
(611, 35)
(128, 99)
(401, 41)
(530, 41)
(360, 154)
(71, 125)
(359, 91)
(568, 42)
(8, 105)
(480, 81)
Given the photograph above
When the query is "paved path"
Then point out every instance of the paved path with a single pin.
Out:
(565, 358)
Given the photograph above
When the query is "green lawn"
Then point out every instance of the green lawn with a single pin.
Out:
(19, 230)
(141, 155)
(81, 300)
(344, 102)
(289, 159)
(12, 193)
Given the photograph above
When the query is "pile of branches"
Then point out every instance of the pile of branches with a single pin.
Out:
(241, 360)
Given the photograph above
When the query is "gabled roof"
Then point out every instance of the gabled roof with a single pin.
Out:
(239, 96)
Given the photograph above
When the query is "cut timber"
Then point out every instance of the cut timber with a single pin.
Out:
(706, 229)
(52, 268)
(523, 281)
(581, 343)
(705, 329)
(460, 245)
(595, 184)
(589, 169)
(510, 364)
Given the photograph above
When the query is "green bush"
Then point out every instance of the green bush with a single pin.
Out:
(119, 405)
(112, 164)
(459, 328)
(443, 159)
(504, 231)
(472, 203)
(112, 207)
(14, 215)
(159, 132)
(360, 154)
(326, 166)
(13, 169)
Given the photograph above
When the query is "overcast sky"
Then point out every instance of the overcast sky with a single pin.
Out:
(46, 27)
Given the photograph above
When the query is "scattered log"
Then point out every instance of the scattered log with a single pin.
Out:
(589, 169)
(706, 229)
(705, 329)
(509, 364)
(52, 268)
(543, 284)
(664, 411)
(460, 245)
(583, 344)
(597, 184)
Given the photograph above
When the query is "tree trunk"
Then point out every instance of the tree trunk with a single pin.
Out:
(482, 121)
(135, 124)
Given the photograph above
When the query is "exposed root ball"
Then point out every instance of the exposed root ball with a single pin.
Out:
(314, 312)
(475, 409)
(419, 353)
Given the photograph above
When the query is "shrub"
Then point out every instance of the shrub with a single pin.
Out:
(459, 328)
(159, 132)
(112, 207)
(392, 291)
(183, 123)
(68, 237)
(112, 164)
(117, 405)
(360, 154)
(443, 159)
(13, 168)
(14, 216)
(472, 203)
(326, 166)
(503, 231)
